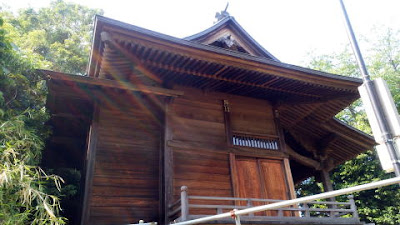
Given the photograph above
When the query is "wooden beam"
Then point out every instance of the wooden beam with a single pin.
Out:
(306, 143)
(197, 145)
(319, 148)
(303, 159)
(68, 78)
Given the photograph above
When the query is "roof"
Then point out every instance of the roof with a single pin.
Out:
(233, 28)
(307, 99)
(101, 22)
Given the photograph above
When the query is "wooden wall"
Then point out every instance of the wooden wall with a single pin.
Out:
(197, 120)
(126, 178)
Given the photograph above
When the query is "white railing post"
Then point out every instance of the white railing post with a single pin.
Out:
(184, 203)
(353, 206)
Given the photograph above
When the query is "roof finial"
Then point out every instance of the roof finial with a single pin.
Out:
(223, 14)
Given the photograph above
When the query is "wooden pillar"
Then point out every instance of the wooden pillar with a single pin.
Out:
(326, 180)
(279, 131)
(168, 161)
(90, 163)
(227, 119)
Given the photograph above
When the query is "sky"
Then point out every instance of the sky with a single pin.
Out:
(289, 29)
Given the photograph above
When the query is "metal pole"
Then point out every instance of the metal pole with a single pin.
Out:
(286, 203)
(375, 102)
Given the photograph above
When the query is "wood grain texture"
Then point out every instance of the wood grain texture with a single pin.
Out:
(126, 178)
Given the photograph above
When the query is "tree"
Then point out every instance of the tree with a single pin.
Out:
(58, 36)
(380, 206)
(23, 198)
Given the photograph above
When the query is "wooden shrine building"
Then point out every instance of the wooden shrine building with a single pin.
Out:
(167, 129)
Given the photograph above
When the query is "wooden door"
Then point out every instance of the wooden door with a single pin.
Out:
(275, 182)
(260, 178)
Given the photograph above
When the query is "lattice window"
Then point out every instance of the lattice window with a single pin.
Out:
(255, 142)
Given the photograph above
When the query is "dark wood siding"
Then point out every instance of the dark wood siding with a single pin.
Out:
(126, 176)
(252, 116)
(197, 119)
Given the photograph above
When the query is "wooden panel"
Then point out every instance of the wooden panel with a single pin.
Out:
(249, 178)
(126, 174)
(205, 173)
(252, 118)
(273, 175)
(249, 182)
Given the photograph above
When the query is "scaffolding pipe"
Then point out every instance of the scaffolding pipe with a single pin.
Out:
(286, 203)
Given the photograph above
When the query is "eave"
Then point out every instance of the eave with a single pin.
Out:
(198, 51)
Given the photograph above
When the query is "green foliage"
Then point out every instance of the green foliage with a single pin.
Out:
(58, 36)
(23, 197)
(380, 206)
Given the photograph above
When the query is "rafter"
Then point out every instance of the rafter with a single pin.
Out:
(106, 37)
(213, 76)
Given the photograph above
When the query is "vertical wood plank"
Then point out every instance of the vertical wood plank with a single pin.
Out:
(227, 119)
(234, 176)
(90, 163)
(289, 178)
(279, 131)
